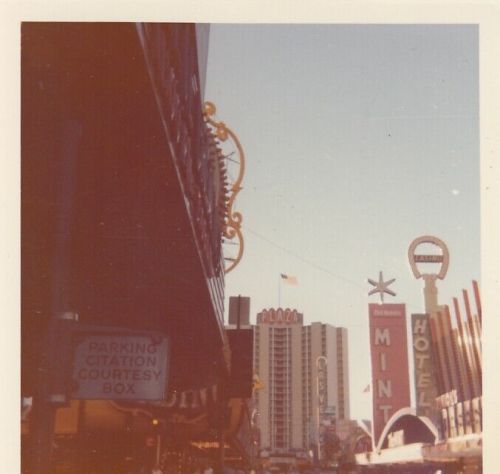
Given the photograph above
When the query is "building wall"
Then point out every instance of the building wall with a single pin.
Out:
(308, 423)
(297, 405)
(333, 369)
(286, 355)
(120, 215)
(343, 363)
(261, 365)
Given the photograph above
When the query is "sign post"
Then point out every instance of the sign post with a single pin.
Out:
(430, 290)
(431, 367)
(51, 390)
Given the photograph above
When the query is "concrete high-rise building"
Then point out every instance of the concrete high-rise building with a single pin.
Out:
(304, 375)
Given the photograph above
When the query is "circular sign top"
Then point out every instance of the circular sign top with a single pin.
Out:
(443, 258)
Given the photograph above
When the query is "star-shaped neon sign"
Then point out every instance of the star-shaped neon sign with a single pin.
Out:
(381, 287)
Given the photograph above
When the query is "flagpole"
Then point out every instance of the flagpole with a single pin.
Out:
(279, 290)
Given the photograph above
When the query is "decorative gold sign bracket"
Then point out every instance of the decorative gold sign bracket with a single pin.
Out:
(231, 232)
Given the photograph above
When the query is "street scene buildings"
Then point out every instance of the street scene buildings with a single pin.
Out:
(139, 354)
(304, 372)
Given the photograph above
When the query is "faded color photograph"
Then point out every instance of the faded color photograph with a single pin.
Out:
(250, 248)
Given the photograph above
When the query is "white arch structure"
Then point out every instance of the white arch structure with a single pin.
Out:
(399, 414)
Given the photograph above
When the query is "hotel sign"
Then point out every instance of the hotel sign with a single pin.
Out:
(447, 399)
(425, 386)
(388, 341)
(279, 316)
(461, 418)
(321, 384)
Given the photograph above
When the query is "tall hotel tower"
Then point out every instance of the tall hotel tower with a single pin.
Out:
(304, 378)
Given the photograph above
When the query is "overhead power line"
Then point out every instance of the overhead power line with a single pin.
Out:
(315, 265)
(304, 260)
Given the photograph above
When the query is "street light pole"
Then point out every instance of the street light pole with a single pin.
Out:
(51, 391)
(318, 444)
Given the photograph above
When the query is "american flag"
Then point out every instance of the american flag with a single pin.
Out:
(291, 280)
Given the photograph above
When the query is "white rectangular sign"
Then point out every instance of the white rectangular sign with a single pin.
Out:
(119, 367)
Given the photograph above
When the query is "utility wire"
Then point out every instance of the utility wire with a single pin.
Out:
(302, 259)
(315, 265)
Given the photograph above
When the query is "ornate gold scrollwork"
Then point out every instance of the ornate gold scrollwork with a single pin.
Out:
(232, 219)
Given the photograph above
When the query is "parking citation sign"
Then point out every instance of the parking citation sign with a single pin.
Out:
(120, 367)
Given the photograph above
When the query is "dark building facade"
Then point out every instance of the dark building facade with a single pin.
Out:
(122, 202)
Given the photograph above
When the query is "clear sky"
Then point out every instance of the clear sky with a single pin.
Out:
(358, 139)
